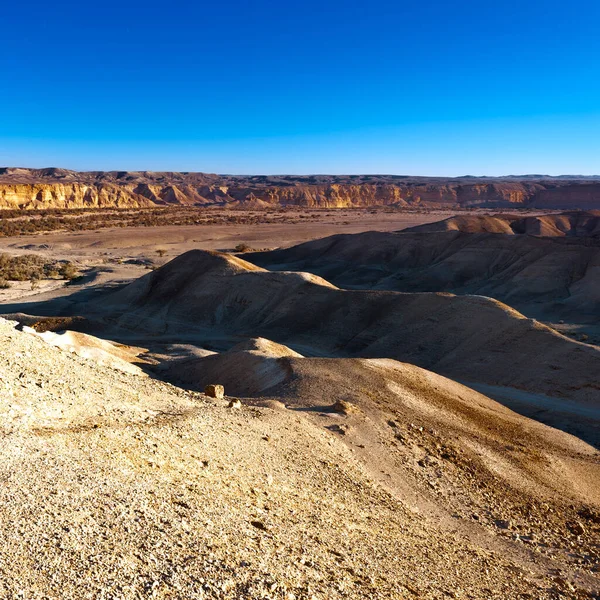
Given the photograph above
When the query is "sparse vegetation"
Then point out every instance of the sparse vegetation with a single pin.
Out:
(242, 247)
(21, 222)
(32, 268)
(68, 271)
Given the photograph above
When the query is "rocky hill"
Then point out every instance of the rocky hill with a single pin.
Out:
(61, 188)
(214, 300)
(549, 278)
(346, 479)
(567, 224)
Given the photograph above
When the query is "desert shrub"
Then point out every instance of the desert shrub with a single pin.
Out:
(21, 268)
(68, 271)
(242, 248)
(30, 267)
(4, 284)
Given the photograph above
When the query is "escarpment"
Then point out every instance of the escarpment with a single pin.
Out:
(60, 188)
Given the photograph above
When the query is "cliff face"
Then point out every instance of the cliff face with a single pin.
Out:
(59, 188)
(72, 195)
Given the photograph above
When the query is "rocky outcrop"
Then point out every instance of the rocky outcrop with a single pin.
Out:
(71, 195)
(59, 188)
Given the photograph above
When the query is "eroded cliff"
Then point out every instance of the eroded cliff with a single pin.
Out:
(59, 188)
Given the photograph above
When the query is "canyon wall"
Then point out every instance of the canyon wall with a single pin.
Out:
(59, 188)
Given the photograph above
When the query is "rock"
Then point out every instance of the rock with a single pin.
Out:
(341, 429)
(575, 527)
(563, 583)
(32, 188)
(427, 461)
(259, 525)
(343, 407)
(587, 513)
(235, 403)
(215, 391)
(502, 523)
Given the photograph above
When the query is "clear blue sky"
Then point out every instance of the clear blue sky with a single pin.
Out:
(420, 87)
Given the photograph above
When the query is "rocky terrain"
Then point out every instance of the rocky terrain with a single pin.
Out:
(59, 188)
(576, 223)
(545, 266)
(342, 463)
(340, 479)
(214, 300)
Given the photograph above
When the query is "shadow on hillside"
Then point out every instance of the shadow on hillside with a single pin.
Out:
(85, 303)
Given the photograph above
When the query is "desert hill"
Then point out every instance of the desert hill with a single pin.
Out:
(216, 300)
(549, 278)
(379, 480)
(61, 188)
(571, 224)
(364, 394)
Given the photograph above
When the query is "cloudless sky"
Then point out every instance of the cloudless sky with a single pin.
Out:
(425, 87)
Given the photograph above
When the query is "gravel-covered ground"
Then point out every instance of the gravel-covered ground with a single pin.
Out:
(119, 486)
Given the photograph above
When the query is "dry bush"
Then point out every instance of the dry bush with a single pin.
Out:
(68, 271)
(31, 267)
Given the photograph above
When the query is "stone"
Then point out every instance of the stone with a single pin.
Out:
(343, 407)
(427, 461)
(575, 527)
(215, 391)
(235, 404)
(341, 429)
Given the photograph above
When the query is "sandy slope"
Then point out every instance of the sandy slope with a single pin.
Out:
(151, 491)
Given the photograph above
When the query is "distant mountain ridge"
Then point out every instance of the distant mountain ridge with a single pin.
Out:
(22, 188)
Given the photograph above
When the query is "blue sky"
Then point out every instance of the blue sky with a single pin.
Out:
(423, 88)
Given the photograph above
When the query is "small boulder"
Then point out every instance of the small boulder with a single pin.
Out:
(235, 403)
(215, 391)
(575, 527)
(343, 407)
